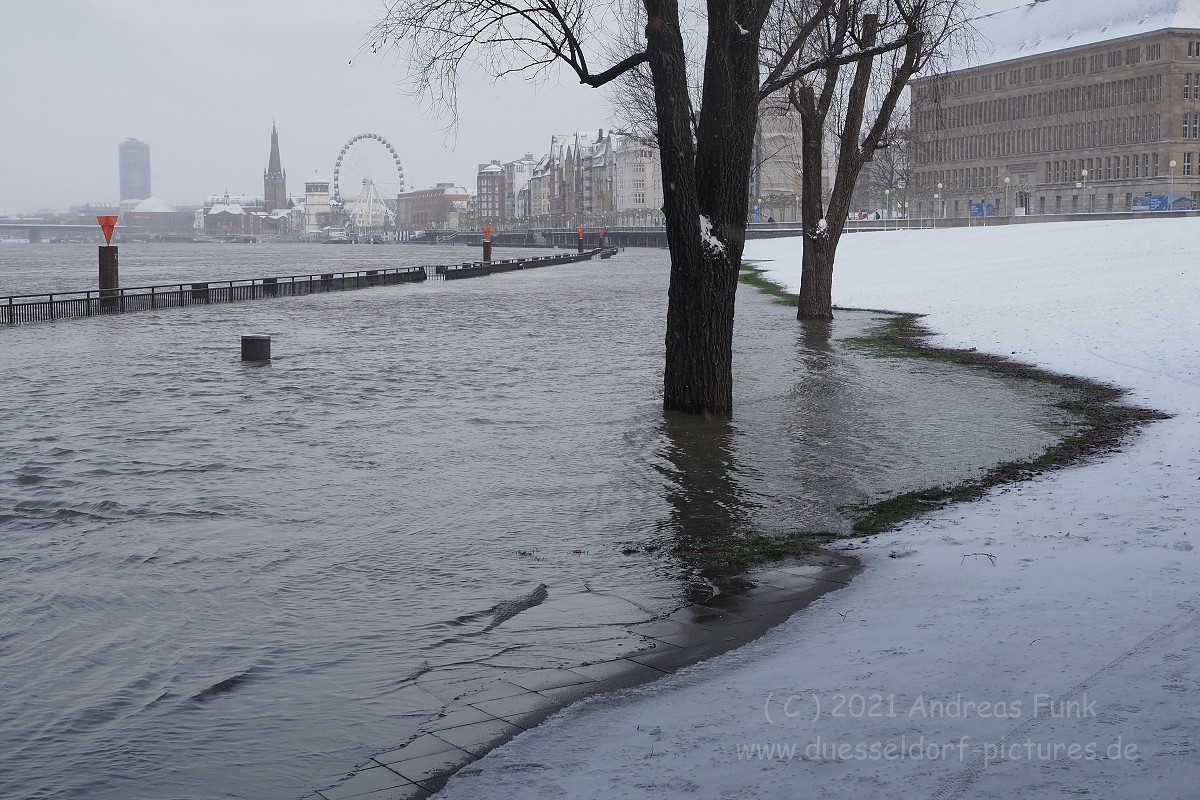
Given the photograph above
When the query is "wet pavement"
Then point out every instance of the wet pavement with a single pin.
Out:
(479, 720)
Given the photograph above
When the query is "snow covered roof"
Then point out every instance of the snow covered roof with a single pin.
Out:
(226, 208)
(153, 205)
(1045, 26)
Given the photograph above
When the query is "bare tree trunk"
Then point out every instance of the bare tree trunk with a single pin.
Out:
(821, 240)
(706, 191)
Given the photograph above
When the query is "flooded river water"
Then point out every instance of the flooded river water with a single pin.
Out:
(220, 580)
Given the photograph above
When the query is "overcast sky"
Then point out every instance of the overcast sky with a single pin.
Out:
(201, 82)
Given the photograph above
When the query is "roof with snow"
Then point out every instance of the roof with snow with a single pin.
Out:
(153, 205)
(226, 208)
(1046, 26)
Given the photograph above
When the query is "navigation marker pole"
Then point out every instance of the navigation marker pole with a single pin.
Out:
(109, 278)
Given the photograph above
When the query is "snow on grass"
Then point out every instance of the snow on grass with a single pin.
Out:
(1085, 629)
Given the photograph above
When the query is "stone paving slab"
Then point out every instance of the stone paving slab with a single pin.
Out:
(488, 716)
(367, 781)
(479, 738)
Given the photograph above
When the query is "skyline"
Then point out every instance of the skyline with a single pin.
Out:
(203, 92)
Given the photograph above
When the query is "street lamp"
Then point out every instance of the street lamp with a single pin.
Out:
(887, 201)
(1007, 205)
(1091, 197)
(1171, 191)
(941, 202)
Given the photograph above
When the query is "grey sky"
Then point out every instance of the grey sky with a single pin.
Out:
(201, 82)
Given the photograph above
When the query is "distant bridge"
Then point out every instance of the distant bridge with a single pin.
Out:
(36, 230)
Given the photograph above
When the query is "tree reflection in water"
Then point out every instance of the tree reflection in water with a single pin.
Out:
(711, 510)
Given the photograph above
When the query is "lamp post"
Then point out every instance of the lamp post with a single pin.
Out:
(1171, 191)
(1091, 198)
(1007, 203)
(942, 202)
(887, 201)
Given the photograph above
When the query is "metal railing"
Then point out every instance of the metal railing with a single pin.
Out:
(19, 309)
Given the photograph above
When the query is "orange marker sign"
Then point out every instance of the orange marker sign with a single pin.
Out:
(487, 233)
(581, 233)
(107, 223)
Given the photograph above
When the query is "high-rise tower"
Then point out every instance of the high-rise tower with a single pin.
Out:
(274, 178)
(134, 162)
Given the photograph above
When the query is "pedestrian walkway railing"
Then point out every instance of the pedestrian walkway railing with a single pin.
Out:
(20, 309)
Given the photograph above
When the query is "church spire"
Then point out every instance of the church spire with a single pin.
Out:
(274, 166)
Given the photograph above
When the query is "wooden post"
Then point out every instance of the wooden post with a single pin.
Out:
(487, 244)
(109, 279)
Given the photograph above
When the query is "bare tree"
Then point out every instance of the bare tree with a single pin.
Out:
(705, 104)
(855, 101)
(889, 170)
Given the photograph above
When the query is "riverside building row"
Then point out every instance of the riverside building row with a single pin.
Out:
(584, 179)
(1073, 106)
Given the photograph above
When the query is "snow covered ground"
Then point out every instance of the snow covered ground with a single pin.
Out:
(1069, 667)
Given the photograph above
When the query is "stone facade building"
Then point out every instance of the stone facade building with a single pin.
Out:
(490, 208)
(1068, 106)
(441, 207)
(595, 180)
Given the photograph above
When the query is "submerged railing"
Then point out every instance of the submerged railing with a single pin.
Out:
(20, 309)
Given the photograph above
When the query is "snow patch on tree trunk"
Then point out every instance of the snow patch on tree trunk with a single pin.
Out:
(709, 238)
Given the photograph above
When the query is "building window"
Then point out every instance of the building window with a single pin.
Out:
(639, 198)
(1187, 86)
(1156, 173)
(1186, 120)
(1187, 163)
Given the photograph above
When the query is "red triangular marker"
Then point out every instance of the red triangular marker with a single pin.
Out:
(107, 224)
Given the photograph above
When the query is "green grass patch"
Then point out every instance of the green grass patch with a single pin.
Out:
(753, 276)
(722, 557)
(1102, 421)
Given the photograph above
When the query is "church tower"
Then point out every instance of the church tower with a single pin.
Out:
(274, 179)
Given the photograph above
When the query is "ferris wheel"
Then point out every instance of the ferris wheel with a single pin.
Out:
(367, 177)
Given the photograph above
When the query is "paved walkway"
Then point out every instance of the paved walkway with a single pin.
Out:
(485, 718)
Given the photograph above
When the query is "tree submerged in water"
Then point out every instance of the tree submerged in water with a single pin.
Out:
(704, 129)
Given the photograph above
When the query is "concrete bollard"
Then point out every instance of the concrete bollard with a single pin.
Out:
(256, 347)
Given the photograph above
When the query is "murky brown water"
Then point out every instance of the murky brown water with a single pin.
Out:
(219, 580)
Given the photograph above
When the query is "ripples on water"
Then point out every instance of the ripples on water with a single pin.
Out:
(221, 580)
